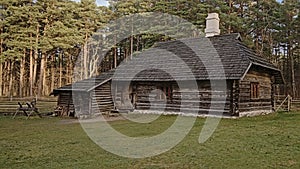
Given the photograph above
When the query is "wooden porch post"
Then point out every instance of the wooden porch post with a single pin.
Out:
(235, 97)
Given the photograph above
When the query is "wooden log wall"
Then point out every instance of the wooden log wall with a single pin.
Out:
(202, 99)
(123, 95)
(264, 99)
(82, 103)
(102, 99)
(146, 95)
(65, 100)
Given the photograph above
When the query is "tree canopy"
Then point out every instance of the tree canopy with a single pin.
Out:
(40, 40)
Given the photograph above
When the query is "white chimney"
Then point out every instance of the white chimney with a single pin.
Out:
(212, 25)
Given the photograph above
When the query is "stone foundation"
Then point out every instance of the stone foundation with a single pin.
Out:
(255, 113)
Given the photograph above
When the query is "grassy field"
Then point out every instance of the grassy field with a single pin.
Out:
(271, 141)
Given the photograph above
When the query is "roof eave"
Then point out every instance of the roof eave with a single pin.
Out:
(274, 69)
(247, 70)
(68, 90)
(268, 67)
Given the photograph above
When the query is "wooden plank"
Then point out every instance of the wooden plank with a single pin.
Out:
(102, 98)
(160, 105)
(199, 110)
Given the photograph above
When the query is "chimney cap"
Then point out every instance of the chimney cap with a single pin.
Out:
(213, 16)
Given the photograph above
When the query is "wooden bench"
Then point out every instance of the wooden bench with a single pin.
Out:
(28, 111)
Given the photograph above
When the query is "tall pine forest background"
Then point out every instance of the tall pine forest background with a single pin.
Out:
(41, 40)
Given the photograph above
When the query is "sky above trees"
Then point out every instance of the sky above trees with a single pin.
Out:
(99, 2)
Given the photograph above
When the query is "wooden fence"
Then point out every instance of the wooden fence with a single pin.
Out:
(295, 104)
(8, 106)
(286, 103)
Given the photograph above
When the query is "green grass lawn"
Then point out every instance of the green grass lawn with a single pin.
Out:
(271, 141)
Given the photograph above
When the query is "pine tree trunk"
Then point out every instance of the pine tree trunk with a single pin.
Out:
(67, 71)
(34, 78)
(115, 52)
(1, 68)
(6, 77)
(22, 71)
(45, 82)
(53, 72)
(41, 77)
(85, 58)
(293, 75)
(229, 12)
(1, 80)
(10, 86)
(35, 68)
(31, 69)
(60, 69)
(293, 79)
(68, 67)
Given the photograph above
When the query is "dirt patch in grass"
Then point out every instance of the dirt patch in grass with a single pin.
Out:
(91, 120)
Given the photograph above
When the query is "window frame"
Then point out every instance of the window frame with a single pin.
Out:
(254, 90)
(165, 92)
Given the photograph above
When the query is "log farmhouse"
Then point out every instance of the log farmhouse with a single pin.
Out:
(230, 78)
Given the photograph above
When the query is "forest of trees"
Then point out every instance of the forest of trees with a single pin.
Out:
(40, 40)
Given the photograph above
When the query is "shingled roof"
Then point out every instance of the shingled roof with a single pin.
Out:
(214, 58)
(86, 85)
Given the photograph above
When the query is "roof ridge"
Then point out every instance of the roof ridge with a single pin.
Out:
(237, 37)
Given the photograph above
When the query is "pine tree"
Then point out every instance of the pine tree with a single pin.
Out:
(91, 18)
(290, 40)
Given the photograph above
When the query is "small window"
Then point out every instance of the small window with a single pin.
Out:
(254, 89)
(169, 92)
